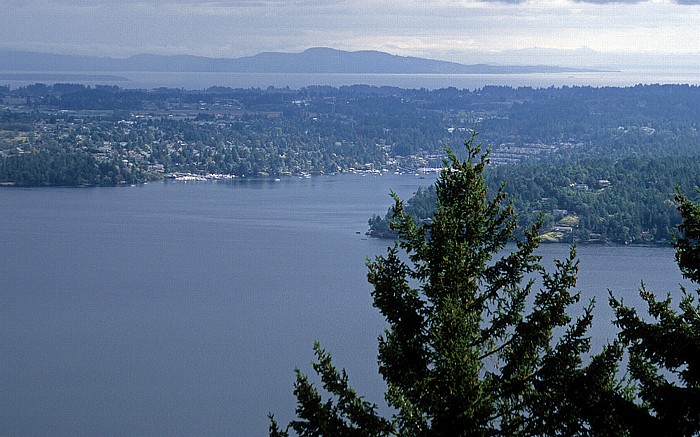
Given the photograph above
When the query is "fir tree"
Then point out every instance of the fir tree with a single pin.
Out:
(479, 340)
(664, 350)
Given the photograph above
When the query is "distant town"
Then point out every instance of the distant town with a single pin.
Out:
(129, 136)
(610, 158)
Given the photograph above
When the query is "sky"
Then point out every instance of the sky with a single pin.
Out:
(563, 32)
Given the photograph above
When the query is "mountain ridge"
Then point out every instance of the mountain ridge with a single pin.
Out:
(321, 60)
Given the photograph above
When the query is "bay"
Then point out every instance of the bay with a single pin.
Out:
(178, 308)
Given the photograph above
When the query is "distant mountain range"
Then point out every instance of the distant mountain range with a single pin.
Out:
(314, 60)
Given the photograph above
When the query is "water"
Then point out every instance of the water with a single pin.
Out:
(183, 308)
(149, 80)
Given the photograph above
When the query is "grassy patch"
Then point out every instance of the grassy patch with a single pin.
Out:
(552, 237)
(569, 220)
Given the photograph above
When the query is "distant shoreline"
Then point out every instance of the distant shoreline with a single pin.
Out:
(316, 60)
(296, 81)
(70, 77)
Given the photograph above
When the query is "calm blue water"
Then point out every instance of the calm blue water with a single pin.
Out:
(183, 308)
(149, 80)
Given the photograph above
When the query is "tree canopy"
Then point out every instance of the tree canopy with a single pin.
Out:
(479, 337)
(664, 347)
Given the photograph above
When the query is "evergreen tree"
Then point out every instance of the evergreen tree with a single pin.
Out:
(665, 350)
(472, 346)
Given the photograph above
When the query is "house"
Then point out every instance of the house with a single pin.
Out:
(579, 186)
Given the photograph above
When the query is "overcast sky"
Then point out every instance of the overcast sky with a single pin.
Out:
(467, 31)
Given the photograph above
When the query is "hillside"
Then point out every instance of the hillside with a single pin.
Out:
(313, 60)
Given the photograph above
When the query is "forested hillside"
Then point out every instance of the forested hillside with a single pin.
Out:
(629, 200)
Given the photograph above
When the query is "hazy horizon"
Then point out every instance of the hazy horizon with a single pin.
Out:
(571, 33)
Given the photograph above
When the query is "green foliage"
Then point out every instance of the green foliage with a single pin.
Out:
(421, 207)
(688, 243)
(472, 346)
(350, 415)
(63, 168)
(632, 204)
(325, 129)
(664, 351)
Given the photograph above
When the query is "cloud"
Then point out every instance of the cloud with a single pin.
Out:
(630, 2)
(439, 29)
(205, 3)
(605, 2)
